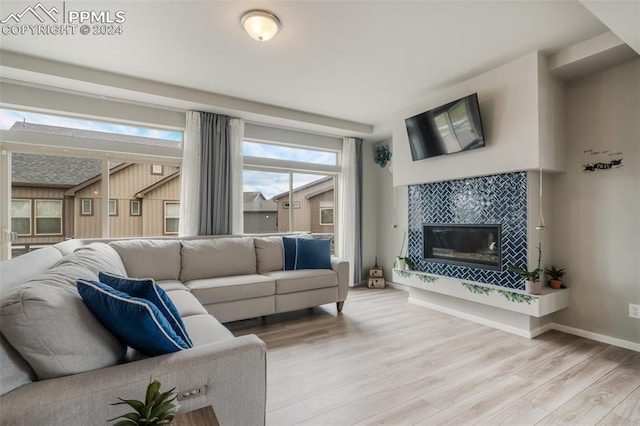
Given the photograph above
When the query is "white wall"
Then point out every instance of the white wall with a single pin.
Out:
(596, 231)
(508, 98)
(370, 215)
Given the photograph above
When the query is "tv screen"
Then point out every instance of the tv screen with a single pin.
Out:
(450, 128)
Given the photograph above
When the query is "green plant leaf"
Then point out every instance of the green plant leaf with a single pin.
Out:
(161, 397)
(134, 417)
(123, 422)
(133, 403)
(152, 392)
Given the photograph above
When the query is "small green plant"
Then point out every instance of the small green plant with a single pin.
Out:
(529, 275)
(400, 257)
(157, 409)
(554, 274)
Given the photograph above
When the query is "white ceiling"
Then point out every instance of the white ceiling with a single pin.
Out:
(359, 61)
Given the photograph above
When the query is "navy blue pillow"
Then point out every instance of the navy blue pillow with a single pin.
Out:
(148, 289)
(290, 250)
(313, 254)
(135, 322)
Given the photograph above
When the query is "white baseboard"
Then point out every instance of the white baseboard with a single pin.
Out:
(398, 286)
(479, 320)
(597, 337)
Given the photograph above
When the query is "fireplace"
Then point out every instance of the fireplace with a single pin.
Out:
(470, 245)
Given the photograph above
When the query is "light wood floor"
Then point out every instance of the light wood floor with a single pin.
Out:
(385, 361)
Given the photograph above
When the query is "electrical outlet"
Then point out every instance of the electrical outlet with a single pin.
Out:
(634, 311)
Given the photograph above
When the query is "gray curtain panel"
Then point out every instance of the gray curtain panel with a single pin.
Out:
(215, 175)
(357, 267)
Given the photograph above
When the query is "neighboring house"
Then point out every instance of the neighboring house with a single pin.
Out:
(143, 201)
(260, 214)
(312, 206)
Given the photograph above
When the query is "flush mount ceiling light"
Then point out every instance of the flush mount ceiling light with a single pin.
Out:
(260, 24)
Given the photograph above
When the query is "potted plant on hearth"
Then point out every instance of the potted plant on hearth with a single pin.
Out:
(532, 284)
(403, 261)
(158, 408)
(555, 277)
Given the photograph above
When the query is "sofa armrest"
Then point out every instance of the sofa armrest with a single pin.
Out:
(341, 267)
(233, 371)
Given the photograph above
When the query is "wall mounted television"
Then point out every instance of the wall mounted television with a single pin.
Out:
(447, 129)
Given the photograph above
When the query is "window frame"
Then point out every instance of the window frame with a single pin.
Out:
(332, 216)
(165, 217)
(36, 217)
(157, 173)
(115, 207)
(82, 201)
(131, 204)
(30, 217)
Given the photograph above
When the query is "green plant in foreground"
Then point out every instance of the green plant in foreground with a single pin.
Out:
(157, 408)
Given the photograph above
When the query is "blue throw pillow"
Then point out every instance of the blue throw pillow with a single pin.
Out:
(290, 250)
(135, 322)
(148, 289)
(313, 254)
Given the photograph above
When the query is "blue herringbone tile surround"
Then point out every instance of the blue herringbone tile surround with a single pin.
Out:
(483, 200)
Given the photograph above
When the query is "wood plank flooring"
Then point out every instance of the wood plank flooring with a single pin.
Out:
(386, 361)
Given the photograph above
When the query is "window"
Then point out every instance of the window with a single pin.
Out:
(113, 207)
(326, 213)
(293, 180)
(134, 208)
(86, 207)
(156, 169)
(21, 216)
(48, 217)
(171, 215)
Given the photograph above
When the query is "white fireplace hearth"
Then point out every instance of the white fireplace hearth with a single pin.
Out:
(503, 308)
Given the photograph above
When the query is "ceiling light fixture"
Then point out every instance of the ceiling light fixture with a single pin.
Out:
(261, 25)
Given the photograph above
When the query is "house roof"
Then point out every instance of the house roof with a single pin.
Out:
(309, 185)
(251, 196)
(158, 184)
(51, 171)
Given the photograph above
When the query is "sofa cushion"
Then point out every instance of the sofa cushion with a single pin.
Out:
(157, 259)
(313, 254)
(16, 271)
(54, 331)
(65, 274)
(186, 303)
(96, 257)
(218, 257)
(269, 254)
(135, 321)
(301, 280)
(206, 329)
(14, 370)
(147, 289)
(224, 289)
(170, 285)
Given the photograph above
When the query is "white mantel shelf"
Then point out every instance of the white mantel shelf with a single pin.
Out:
(499, 297)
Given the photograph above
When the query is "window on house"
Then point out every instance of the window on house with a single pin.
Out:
(326, 213)
(171, 217)
(135, 208)
(113, 207)
(86, 207)
(21, 216)
(48, 217)
(156, 169)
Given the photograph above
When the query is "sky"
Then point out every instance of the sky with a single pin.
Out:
(9, 117)
(269, 183)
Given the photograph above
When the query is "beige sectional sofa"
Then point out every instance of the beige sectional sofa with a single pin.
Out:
(59, 365)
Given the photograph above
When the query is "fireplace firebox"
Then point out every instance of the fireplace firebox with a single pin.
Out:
(470, 245)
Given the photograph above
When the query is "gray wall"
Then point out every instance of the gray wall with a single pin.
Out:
(596, 216)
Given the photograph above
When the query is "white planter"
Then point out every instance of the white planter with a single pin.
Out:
(533, 287)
